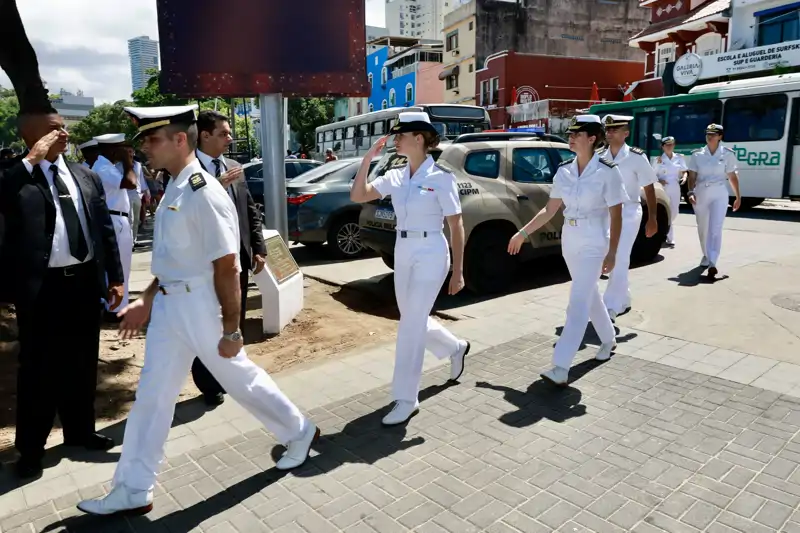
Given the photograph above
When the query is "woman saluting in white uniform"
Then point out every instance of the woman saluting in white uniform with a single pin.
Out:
(592, 192)
(423, 195)
(671, 171)
(710, 168)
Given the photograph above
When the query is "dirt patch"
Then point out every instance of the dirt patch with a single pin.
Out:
(334, 320)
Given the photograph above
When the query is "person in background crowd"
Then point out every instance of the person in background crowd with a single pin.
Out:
(423, 194)
(592, 193)
(196, 279)
(58, 249)
(330, 156)
(637, 173)
(710, 169)
(214, 132)
(671, 171)
(7, 154)
(137, 197)
(112, 150)
(89, 151)
(290, 155)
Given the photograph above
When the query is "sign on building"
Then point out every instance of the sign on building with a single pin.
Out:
(757, 59)
(687, 69)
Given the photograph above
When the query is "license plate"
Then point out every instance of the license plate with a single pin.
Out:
(384, 214)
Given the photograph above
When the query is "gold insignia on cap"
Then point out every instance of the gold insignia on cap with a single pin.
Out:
(609, 119)
(574, 121)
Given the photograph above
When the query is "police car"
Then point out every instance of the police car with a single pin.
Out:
(504, 179)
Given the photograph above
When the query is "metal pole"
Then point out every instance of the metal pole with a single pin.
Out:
(272, 155)
(286, 124)
(247, 130)
(233, 123)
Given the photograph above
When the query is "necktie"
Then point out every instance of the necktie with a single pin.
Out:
(78, 248)
(217, 164)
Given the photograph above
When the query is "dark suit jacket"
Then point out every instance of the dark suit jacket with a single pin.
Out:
(29, 215)
(249, 216)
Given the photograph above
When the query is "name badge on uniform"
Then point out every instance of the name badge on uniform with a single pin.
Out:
(425, 190)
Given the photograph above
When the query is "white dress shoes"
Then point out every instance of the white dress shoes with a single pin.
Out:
(400, 413)
(297, 451)
(557, 375)
(121, 500)
(605, 351)
(457, 361)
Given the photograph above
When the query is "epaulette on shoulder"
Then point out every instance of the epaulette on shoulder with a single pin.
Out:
(727, 149)
(444, 167)
(637, 150)
(197, 181)
(566, 162)
(697, 150)
(606, 162)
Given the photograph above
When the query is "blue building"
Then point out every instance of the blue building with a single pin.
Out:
(394, 71)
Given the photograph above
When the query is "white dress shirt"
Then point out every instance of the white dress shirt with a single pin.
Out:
(116, 197)
(207, 162)
(713, 168)
(670, 169)
(636, 171)
(60, 255)
(590, 194)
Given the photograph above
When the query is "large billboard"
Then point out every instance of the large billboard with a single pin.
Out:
(249, 47)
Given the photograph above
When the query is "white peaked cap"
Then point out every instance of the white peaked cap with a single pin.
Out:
(87, 144)
(110, 138)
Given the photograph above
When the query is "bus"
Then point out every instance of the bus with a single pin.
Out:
(760, 117)
(354, 136)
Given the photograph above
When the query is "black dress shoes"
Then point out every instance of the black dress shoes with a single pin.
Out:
(26, 468)
(94, 442)
(213, 400)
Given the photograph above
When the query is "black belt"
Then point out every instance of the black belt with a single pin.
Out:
(118, 213)
(71, 270)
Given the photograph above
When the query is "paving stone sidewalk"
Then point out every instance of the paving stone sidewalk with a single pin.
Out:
(631, 445)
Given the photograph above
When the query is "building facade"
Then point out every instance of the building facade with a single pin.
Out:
(143, 55)
(404, 72)
(421, 19)
(458, 72)
(72, 107)
(533, 90)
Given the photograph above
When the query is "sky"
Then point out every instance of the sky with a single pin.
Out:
(83, 44)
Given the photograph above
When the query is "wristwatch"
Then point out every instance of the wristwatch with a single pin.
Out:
(236, 336)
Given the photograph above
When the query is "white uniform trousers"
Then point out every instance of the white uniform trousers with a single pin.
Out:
(711, 206)
(673, 190)
(136, 210)
(618, 292)
(184, 325)
(584, 247)
(122, 227)
(420, 267)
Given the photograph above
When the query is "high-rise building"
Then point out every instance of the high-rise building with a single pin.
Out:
(143, 54)
(419, 19)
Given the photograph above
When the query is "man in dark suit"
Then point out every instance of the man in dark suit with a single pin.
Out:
(58, 246)
(214, 138)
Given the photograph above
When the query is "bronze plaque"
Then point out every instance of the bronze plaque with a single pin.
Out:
(279, 259)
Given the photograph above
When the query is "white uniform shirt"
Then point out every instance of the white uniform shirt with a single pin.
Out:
(60, 255)
(116, 197)
(193, 228)
(588, 195)
(141, 183)
(636, 170)
(668, 169)
(423, 200)
(713, 168)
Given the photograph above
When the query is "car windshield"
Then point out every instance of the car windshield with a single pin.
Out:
(341, 170)
(252, 170)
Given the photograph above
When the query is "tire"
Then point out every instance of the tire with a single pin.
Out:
(344, 237)
(388, 260)
(646, 250)
(488, 268)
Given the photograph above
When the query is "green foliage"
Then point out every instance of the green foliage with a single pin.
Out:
(9, 107)
(105, 118)
(151, 96)
(306, 115)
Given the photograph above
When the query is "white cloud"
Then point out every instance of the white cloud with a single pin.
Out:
(83, 44)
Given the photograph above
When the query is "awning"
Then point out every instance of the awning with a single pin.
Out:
(450, 71)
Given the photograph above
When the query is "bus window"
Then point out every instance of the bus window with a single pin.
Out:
(363, 135)
(755, 118)
(337, 134)
(319, 137)
(687, 122)
(379, 128)
(329, 135)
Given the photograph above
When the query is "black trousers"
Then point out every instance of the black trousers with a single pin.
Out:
(207, 383)
(59, 336)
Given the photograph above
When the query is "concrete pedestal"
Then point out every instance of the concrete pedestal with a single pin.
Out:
(280, 284)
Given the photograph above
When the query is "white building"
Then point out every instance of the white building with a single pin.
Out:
(73, 107)
(143, 55)
(421, 19)
(375, 32)
(757, 23)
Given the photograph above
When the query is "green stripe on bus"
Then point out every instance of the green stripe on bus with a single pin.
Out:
(656, 104)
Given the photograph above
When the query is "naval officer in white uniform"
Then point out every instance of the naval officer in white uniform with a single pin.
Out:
(89, 153)
(424, 194)
(636, 173)
(592, 192)
(671, 171)
(196, 268)
(710, 169)
(117, 181)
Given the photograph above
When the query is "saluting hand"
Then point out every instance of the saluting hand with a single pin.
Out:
(42, 147)
(230, 176)
(134, 317)
(377, 147)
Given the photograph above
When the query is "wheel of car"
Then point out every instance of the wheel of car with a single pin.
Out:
(646, 250)
(344, 238)
(488, 267)
(388, 260)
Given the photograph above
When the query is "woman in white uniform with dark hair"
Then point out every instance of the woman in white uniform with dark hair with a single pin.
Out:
(710, 169)
(592, 192)
(423, 194)
(671, 172)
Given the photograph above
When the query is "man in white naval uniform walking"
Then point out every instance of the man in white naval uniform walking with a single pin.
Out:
(116, 184)
(636, 173)
(196, 268)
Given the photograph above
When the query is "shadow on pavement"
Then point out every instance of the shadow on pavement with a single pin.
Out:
(696, 276)
(590, 337)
